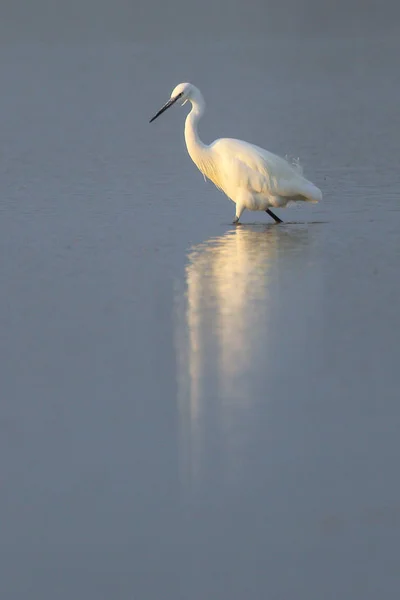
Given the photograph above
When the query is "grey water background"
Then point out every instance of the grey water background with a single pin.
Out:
(190, 410)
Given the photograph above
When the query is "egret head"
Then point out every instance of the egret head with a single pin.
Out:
(181, 94)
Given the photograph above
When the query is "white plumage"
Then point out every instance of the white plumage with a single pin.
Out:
(250, 176)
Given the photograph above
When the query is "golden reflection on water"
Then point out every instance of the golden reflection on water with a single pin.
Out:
(223, 321)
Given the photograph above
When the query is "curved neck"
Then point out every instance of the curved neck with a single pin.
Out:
(194, 144)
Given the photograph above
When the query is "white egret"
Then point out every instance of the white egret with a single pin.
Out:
(250, 176)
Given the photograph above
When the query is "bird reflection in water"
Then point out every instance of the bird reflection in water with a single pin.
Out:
(223, 323)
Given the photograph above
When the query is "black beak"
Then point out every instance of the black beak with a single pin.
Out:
(164, 108)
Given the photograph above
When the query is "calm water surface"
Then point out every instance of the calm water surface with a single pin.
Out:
(190, 410)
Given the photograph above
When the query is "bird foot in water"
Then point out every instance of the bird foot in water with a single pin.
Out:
(271, 214)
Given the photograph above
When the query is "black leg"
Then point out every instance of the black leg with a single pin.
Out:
(271, 214)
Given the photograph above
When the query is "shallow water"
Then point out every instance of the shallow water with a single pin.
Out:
(188, 409)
